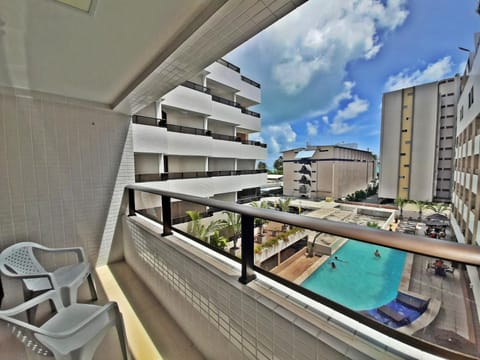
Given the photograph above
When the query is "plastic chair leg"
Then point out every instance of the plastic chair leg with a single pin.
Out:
(91, 285)
(121, 334)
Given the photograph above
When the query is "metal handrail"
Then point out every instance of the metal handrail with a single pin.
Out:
(425, 246)
(467, 254)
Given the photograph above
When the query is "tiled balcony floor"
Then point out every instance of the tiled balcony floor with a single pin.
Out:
(151, 331)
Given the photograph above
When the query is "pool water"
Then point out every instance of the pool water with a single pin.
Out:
(360, 280)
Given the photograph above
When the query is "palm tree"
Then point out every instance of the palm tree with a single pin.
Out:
(233, 223)
(420, 206)
(438, 208)
(259, 221)
(199, 230)
(400, 202)
(283, 205)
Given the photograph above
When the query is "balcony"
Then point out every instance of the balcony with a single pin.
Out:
(144, 120)
(193, 175)
(294, 308)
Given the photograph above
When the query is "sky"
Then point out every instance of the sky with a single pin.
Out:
(324, 67)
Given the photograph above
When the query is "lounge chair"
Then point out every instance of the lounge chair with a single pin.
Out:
(395, 316)
(412, 302)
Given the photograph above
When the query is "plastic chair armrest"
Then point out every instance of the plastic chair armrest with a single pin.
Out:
(49, 276)
(78, 250)
(49, 295)
(105, 308)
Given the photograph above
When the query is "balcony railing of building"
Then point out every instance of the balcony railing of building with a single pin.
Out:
(250, 81)
(193, 175)
(195, 86)
(428, 340)
(229, 65)
(145, 120)
(250, 112)
(226, 101)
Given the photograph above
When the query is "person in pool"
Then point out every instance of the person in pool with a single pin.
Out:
(333, 265)
(337, 259)
(377, 253)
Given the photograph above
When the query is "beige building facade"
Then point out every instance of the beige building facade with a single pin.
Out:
(417, 141)
(317, 172)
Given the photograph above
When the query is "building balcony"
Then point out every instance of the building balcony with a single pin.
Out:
(205, 183)
(226, 73)
(218, 303)
(193, 276)
(171, 139)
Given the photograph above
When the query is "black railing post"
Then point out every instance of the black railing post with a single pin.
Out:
(247, 250)
(166, 215)
(131, 202)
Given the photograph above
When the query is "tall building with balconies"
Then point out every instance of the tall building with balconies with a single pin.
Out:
(466, 203)
(195, 139)
(317, 172)
(417, 140)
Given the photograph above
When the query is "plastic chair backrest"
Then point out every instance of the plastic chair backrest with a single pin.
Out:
(20, 259)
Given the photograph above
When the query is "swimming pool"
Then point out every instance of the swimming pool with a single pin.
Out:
(360, 280)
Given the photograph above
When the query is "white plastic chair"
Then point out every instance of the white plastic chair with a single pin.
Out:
(73, 333)
(19, 261)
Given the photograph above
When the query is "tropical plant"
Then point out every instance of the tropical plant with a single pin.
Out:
(283, 205)
(218, 240)
(311, 246)
(278, 165)
(420, 206)
(438, 208)
(259, 222)
(233, 224)
(261, 165)
(373, 225)
(199, 230)
(400, 202)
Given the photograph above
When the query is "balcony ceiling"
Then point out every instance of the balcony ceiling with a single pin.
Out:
(123, 55)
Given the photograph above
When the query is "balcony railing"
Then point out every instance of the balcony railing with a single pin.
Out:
(250, 81)
(195, 86)
(229, 65)
(453, 346)
(193, 175)
(250, 112)
(226, 101)
(187, 130)
(145, 120)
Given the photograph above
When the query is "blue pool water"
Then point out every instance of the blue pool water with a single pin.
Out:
(360, 280)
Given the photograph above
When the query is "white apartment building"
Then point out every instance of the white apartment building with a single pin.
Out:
(417, 140)
(466, 207)
(195, 139)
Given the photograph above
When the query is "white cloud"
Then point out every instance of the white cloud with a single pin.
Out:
(280, 137)
(256, 137)
(352, 110)
(312, 128)
(345, 94)
(341, 31)
(433, 72)
(325, 119)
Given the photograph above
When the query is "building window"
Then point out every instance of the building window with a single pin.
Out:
(406, 165)
(470, 97)
(404, 130)
(461, 109)
(403, 154)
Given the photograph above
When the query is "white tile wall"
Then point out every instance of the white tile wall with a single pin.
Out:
(60, 164)
(227, 320)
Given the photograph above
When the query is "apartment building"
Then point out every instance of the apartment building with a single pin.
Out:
(317, 172)
(417, 141)
(466, 207)
(195, 139)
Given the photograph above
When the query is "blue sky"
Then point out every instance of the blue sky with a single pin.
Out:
(324, 67)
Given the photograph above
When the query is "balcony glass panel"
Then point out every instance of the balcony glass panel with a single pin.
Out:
(427, 298)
